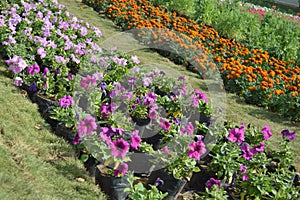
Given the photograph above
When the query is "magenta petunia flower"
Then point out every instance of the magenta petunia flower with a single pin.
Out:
(243, 168)
(236, 135)
(18, 81)
(65, 101)
(201, 95)
(247, 154)
(119, 148)
(150, 98)
(135, 139)
(87, 126)
(212, 182)
(258, 148)
(165, 150)
(197, 149)
(121, 169)
(165, 124)
(267, 132)
(288, 134)
(33, 69)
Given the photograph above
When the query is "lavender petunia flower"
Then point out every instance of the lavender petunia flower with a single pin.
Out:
(18, 81)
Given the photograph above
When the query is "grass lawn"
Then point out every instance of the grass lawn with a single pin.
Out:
(34, 163)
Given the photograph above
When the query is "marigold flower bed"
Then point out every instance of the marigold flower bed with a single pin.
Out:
(261, 79)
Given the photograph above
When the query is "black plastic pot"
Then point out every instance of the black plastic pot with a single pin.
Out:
(140, 121)
(170, 184)
(154, 140)
(113, 187)
(45, 107)
(199, 179)
(64, 132)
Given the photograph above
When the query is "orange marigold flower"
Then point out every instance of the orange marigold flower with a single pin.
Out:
(279, 92)
(272, 73)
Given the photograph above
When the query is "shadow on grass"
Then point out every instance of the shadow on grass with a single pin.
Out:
(262, 113)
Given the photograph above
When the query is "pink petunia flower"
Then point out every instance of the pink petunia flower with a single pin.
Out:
(119, 148)
(267, 132)
(87, 126)
(135, 139)
(121, 169)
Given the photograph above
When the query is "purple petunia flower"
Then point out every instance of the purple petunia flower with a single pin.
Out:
(135, 59)
(18, 81)
(127, 96)
(288, 134)
(33, 87)
(97, 32)
(194, 101)
(201, 95)
(197, 149)
(146, 81)
(65, 101)
(165, 124)
(70, 76)
(106, 109)
(135, 139)
(212, 182)
(267, 132)
(87, 126)
(247, 154)
(236, 135)
(119, 148)
(153, 114)
(16, 64)
(41, 51)
(121, 169)
(189, 128)
(88, 80)
(158, 182)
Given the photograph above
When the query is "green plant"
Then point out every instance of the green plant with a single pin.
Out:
(138, 191)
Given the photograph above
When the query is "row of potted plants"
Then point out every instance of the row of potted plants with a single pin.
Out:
(260, 78)
(135, 123)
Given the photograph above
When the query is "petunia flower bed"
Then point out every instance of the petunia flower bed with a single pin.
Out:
(252, 73)
(100, 96)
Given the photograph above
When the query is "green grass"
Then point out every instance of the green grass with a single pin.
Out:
(34, 163)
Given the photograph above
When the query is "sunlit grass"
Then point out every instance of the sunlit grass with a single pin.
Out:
(35, 163)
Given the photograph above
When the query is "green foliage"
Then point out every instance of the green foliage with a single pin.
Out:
(273, 32)
(139, 192)
(182, 6)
